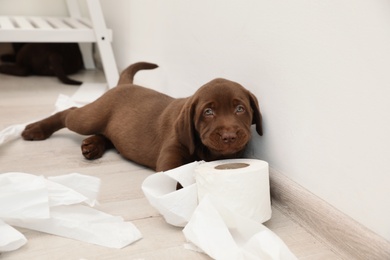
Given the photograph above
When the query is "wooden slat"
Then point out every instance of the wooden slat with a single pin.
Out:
(40, 23)
(47, 35)
(23, 22)
(6, 23)
(86, 21)
(75, 24)
(57, 23)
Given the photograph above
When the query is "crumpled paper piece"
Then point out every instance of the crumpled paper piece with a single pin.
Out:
(85, 94)
(213, 226)
(52, 205)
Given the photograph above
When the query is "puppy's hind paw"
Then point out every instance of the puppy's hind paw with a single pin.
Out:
(93, 147)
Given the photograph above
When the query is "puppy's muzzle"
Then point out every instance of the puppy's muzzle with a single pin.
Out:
(229, 137)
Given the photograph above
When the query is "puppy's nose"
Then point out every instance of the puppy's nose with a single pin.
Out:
(229, 137)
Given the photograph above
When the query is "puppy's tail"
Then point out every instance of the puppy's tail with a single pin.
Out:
(127, 74)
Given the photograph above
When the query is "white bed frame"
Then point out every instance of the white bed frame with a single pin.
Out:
(74, 28)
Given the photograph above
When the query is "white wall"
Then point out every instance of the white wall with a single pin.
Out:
(36, 7)
(321, 71)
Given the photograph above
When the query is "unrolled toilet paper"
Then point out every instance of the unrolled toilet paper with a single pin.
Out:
(176, 206)
(54, 205)
(224, 234)
(222, 205)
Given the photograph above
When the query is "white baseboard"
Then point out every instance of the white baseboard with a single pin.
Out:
(341, 233)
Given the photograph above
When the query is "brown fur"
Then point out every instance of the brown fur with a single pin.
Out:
(45, 59)
(156, 130)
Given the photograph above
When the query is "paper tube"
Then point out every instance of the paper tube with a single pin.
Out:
(242, 185)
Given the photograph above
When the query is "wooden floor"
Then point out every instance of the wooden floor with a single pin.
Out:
(26, 99)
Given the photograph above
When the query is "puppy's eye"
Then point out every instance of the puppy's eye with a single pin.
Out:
(208, 112)
(240, 109)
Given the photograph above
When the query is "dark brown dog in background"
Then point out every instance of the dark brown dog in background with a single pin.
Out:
(156, 130)
(44, 59)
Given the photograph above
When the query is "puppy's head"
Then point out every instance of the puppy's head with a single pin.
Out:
(219, 115)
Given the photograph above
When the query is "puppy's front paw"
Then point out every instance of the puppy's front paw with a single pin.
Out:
(93, 147)
(35, 131)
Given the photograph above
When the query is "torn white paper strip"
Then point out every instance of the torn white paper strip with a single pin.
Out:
(218, 243)
(10, 238)
(27, 201)
(224, 234)
(23, 196)
(85, 224)
(86, 186)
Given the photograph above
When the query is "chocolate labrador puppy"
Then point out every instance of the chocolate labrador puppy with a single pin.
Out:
(159, 131)
(45, 59)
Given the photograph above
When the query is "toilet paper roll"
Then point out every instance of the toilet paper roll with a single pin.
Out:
(242, 185)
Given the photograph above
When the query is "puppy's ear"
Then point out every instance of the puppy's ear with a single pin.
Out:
(257, 119)
(185, 127)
